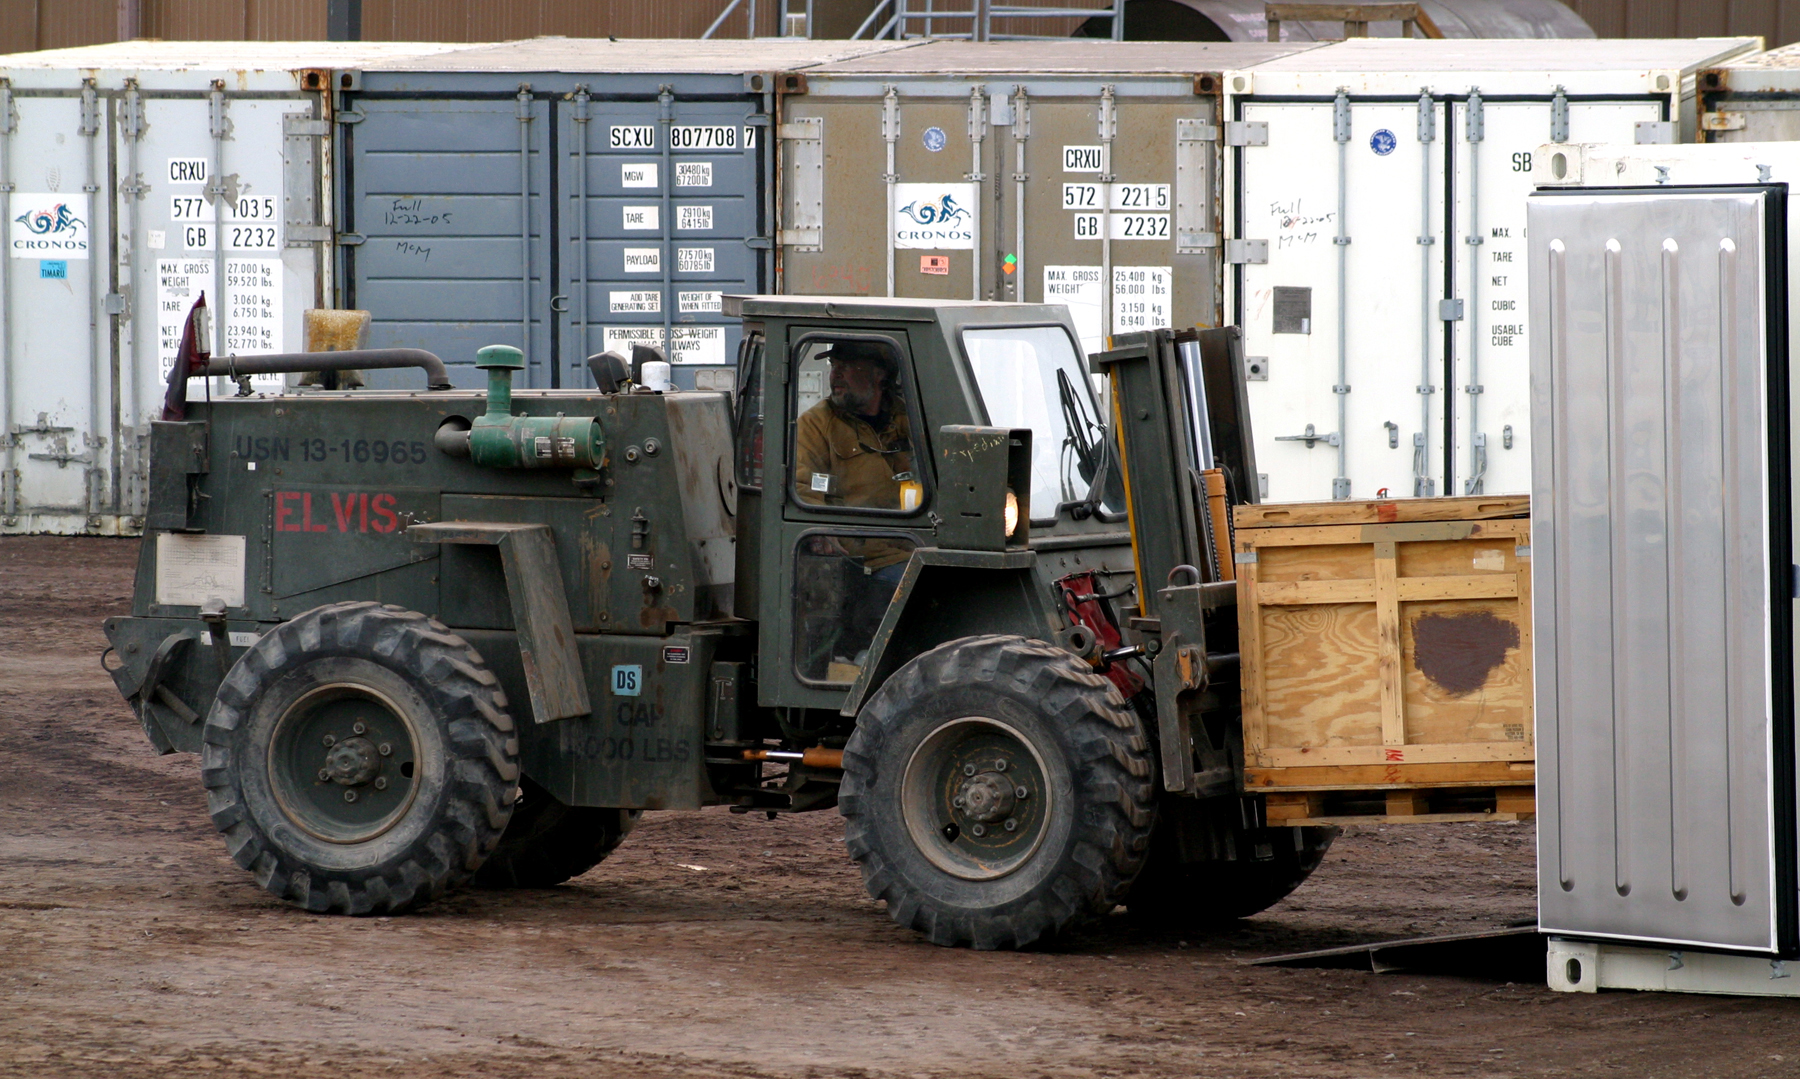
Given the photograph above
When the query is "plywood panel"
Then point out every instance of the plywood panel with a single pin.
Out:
(1336, 562)
(1464, 673)
(1316, 683)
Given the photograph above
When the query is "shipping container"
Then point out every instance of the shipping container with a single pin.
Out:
(1755, 99)
(1075, 172)
(564, 196)
(132, 178)
(1664, 558)
(1387, 657)
(1376, 195)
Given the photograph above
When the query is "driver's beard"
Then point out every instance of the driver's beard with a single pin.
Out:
(853, 402)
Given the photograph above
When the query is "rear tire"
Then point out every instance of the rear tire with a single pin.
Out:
(932, 800)
(549, 842)
(359, 760)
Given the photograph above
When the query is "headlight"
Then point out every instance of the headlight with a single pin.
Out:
(1012, 512)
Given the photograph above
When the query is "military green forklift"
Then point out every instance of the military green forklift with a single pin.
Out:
(912, 569)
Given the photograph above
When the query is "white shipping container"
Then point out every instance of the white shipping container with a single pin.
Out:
(132, 177)
(1376, 219)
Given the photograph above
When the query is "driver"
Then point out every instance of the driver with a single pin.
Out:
(854, 448)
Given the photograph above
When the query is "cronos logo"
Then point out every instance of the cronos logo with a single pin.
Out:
(56, 219)
(934, 216)
(52, 226)
(944, 212)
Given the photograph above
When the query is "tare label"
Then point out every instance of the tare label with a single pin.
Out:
(1081, 158)
(1124, 196)
(642, 217)
(1124, 226)
(633, 137)
(709, 137)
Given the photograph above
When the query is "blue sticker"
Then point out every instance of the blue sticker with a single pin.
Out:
(935, 139)
(1383, 142)
(55, 269)
(628, 680)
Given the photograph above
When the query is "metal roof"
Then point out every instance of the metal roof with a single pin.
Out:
(1072, 56)
(223, 55)
(661, 56)
(1493, 54)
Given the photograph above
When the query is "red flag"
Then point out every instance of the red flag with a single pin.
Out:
(191, 359)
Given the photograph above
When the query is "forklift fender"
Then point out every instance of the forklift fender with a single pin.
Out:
(945, 595)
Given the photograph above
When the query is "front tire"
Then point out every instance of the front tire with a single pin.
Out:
(359, 760)
(997, 793)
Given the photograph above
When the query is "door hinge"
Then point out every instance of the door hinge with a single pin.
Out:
(1722, 121)
(1253, 252)
(1247, 133)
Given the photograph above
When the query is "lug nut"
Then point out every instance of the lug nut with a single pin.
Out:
(324, 776)
(330, 740)
(1012, 825)
(956, 801)
(1000, 765)
(381, 785)
(384, 749)
(968, 769)
(978, 831)
(349, 796)
(358, 727)
(1020, 792)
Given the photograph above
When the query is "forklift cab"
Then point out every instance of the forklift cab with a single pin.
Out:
(841, 456)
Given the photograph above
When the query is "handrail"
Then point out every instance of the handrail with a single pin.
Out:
(366, 359)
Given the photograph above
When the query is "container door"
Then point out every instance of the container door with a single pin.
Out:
(1001, 194)
(1338, 295)
(227, 217)
(1662, 571)
(448, 213)
(1152, 226)
(58, 432)
(671, 205)
(1489, 399)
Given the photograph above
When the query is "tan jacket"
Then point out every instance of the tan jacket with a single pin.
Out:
(842, 460)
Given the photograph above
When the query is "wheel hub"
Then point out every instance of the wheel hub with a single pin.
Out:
(986, 797)
(352, 762)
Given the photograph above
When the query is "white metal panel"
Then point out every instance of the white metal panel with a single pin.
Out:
(1661, 587)
(1388, 341)
(83, 350)
(1492, 426)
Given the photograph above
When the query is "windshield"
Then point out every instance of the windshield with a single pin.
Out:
(1031, 376)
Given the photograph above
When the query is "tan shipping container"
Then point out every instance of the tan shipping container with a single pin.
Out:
(1387, 656)
(1076, 172)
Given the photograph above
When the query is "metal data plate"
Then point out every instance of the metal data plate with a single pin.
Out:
(1662, 621)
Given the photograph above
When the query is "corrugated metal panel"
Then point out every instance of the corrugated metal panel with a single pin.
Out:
(484, 20)
(1777, 22)
(1661, 532)
(76, 22)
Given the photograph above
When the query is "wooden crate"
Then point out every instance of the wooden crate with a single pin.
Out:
(1386, 646)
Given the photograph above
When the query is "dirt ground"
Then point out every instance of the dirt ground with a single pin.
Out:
(709, 945)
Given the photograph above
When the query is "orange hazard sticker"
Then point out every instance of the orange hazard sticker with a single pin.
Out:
(934, 264)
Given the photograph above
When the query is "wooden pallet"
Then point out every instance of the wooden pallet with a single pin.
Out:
(1402, 806)
(1357, 621)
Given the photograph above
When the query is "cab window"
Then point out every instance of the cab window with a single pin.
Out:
(1031, 376)
(853, 440)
